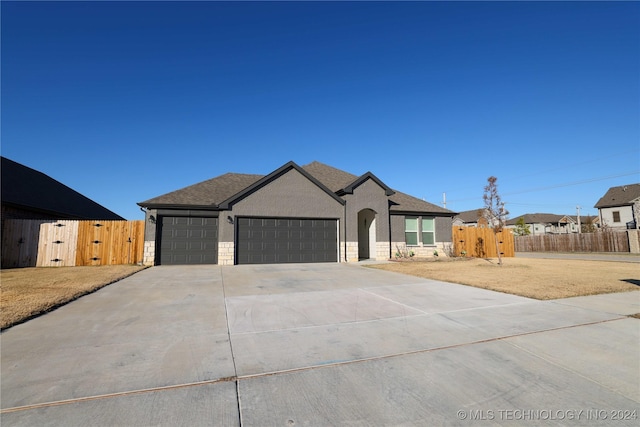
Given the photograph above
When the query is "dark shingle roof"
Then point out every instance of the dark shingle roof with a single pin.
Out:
(213, 192)
(332, 178)
(336, 179)
(406, 203)
(32, 190)
(207, 193)
(538, 218)
(470, 216)
(619, 196)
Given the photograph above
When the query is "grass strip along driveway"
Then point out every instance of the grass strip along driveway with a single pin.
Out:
(541, 279)
(29, 292)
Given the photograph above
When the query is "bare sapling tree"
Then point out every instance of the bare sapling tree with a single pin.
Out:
(494, 211)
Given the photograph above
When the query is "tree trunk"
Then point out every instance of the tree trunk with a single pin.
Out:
(495, 236)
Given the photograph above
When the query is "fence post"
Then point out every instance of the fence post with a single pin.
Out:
(634, 241)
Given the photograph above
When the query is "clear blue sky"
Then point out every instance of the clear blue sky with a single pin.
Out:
(125, 101)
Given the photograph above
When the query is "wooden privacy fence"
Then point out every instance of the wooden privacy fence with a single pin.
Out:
(42, 243)
(611, 241)
(480, 242)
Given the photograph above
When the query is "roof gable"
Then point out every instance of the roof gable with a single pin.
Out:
(226, 204)
(349, 188)
(338, 180)
(623, 195)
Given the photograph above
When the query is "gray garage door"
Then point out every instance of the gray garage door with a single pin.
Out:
(283, 240)
(188, 240)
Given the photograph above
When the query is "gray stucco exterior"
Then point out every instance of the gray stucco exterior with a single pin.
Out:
(291, 195)
(360, 206)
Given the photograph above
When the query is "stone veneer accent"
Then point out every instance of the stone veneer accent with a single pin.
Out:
(421, 251)
(226, 252)
(382, 251)
(149, 255)
(352, 251)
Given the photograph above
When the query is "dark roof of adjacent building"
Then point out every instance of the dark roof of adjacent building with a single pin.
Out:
(623, 195)
(214, 192)
(31, 190)
(540, 218)
(471, 216)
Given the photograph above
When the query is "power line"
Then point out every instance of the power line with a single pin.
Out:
(563, 167)
(569, 184)
(551, 187)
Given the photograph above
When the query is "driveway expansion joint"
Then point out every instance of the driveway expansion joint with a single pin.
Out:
(421, 351)
(116, 394)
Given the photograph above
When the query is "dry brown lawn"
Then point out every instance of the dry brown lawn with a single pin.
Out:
(28, 292)
(534, 278)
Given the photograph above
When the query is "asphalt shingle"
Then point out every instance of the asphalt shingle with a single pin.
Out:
(216, 190)
(619, 196)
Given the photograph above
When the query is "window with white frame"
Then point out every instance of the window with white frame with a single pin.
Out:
(411, 230)
(419, 231)
(428, 231)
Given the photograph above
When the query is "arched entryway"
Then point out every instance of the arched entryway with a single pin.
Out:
(366, 234)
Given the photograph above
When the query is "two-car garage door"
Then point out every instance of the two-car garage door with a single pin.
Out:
(286, 240)
(194, 240)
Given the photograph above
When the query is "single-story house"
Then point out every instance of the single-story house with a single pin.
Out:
(472, 218)
(619, 208)
(311, 213)
(547, 223)
(30, 194)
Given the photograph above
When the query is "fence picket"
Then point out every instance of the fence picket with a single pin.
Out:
(480, 242)
(29, 243)
(611, 241)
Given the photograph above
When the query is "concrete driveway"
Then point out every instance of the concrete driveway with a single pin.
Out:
(320, 345)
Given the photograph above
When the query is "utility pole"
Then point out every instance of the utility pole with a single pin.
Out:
(444, 200)
(579, 225)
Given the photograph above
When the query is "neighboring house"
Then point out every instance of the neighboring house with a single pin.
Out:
(313, 213)
(619, 208)
(29, 194)
(546, 223)
(472, 218)
(588, 222)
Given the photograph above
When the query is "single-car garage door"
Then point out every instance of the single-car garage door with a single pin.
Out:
(188, 240)
(284, 240)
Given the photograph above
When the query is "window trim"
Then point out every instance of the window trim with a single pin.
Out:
(416, 231)
(419, 238)
(615, 214)
(432, 231)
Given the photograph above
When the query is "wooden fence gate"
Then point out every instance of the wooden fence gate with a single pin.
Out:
(480, 242)
(42, 243)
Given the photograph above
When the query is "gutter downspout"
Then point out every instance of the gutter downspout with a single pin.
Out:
(345, 233)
